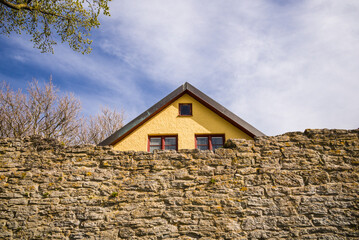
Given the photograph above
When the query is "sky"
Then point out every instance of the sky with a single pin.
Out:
(281, 65)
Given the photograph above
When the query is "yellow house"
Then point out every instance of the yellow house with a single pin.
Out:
(185, 119)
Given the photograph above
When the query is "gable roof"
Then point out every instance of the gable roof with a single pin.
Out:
(170, 98)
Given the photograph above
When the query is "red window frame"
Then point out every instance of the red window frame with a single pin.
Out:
(162, 146)
(209, 139)
(179, 109)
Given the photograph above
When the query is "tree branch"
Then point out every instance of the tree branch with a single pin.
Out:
(25, 6)
(16, 6)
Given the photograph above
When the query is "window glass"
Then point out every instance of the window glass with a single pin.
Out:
(170, 141)
(202, 140)
(217, 141)
(155, 141)
(202, 143)
(170, 147)
(202, 147)
(185, 109)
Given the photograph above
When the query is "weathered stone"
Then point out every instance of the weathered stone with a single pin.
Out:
(252, 223)
(294, 221)
(18, 201)
(317, 178)
(292, 186)
(286, 178)
(126, 232)
(182, 174)
(313, 208)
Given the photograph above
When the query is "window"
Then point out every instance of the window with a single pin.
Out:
(162, 142)
(209, 142)
(185, 109)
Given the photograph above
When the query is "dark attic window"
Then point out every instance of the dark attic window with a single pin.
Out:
(185, 109)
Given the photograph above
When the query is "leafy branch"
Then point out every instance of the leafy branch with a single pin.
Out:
(71, 20)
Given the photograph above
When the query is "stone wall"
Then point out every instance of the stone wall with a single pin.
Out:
(293, 186)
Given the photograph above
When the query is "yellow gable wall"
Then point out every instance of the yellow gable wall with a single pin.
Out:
(167, 122)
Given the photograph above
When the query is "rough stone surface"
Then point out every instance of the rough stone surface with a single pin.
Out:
(292, 186)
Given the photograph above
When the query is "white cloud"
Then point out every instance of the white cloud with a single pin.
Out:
(280, 65)
(19, 58)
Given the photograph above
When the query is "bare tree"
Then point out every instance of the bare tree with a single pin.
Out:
(13, 114)
(96, 128)
(43, 111)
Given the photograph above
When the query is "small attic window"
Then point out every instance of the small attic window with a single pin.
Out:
(185, 109)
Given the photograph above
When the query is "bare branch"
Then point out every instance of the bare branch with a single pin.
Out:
(43, 111)
(100, 126)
